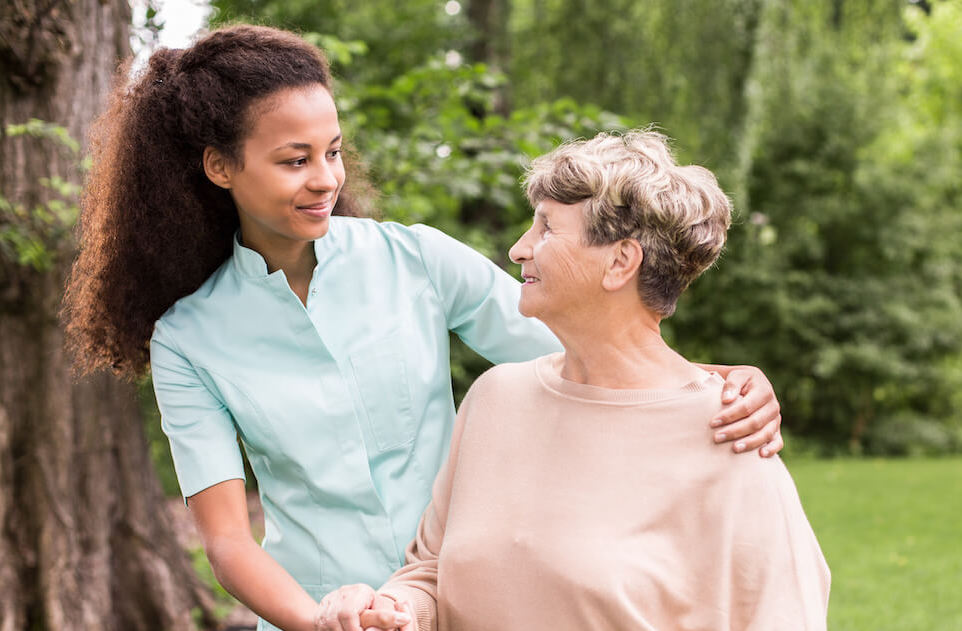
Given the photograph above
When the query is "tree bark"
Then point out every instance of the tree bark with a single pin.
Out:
(85, 541)
(489, 43)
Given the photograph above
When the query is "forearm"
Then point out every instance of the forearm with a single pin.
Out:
(257, 580)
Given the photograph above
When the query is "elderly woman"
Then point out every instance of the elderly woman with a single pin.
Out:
(530, 525)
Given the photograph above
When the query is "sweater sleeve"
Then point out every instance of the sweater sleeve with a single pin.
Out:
(781, 579)
(417, 581)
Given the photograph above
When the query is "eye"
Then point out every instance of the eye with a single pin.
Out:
(333, 154)
(297, 162)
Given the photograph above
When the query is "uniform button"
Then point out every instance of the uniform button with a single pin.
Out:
(314, 292)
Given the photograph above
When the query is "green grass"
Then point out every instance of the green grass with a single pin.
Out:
(892, 533)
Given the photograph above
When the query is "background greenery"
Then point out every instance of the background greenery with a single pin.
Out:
(889, 530)
(836, 126)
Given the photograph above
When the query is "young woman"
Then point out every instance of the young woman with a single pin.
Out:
(208, 245)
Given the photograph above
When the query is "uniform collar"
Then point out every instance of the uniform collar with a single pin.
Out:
(250, 264)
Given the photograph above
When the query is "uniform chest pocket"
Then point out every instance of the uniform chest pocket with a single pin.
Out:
(382, 381)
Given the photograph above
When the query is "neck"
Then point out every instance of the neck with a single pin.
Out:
(296, 262)
(295, 258)
(622, 348)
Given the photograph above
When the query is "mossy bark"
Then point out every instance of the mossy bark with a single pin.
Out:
(85, 540)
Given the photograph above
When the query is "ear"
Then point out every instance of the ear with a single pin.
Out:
(623, 265)
(217, 167)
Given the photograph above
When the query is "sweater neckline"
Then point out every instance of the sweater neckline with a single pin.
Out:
(548, 370)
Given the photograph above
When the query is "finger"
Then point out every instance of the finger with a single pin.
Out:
(756, 399)
(323, 620)
(735, 383)
(407, 608)
(755, 439)
(384, 618)
(773, 446)
(750, 426)
(332, 613)
(355, 599)
(380, 615)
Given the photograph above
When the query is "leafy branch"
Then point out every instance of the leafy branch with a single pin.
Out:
(29, 234)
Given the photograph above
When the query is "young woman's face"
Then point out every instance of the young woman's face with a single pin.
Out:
(292, 171)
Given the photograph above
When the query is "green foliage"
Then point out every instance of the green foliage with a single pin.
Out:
(398, 35)
(31, 233)
(841, 281)
(679, 63)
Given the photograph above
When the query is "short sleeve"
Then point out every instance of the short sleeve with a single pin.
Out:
(480, 301)
(203, 439)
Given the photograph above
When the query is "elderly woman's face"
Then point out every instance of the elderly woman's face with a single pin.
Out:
(561, 274)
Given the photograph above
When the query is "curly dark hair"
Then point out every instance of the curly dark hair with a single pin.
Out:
(152, 226)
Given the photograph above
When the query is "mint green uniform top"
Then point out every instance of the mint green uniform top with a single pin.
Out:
(345, 406)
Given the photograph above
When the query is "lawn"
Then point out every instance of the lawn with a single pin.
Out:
(892, 533)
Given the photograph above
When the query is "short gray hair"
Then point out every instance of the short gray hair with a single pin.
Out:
(634, 189)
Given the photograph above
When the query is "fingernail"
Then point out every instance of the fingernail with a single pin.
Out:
(716, 422)
(728, 394)
(401, 619)
(739, 447)
(720, 437)
(764, 452)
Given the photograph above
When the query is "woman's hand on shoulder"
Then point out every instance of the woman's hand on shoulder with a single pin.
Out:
(751, 417)
(359, 608)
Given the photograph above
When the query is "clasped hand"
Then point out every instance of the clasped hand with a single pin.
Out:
(359, 608)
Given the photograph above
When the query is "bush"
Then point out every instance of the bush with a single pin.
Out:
(908, 435)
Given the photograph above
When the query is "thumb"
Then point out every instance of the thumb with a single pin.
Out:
(735, 382)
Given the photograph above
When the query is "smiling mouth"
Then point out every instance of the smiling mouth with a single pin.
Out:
(528, 280)
(318, 209)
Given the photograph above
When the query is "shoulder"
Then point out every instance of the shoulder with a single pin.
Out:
(187, 309)
(506, 382)
(365, 228)
(358, 235)
(523, 373)
(439, 246)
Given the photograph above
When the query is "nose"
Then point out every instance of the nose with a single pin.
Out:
(521, 250)
(323, 178)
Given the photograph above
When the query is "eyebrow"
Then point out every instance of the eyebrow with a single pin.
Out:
(305, 146)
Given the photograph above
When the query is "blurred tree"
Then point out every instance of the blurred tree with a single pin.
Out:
(679, 63)
(841, 282)
(399, 35)
(85, 538)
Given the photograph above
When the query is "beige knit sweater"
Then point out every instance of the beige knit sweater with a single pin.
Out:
(564, 506)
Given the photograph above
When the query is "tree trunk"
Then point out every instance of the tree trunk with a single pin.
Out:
(489, 43)
(85, 541)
